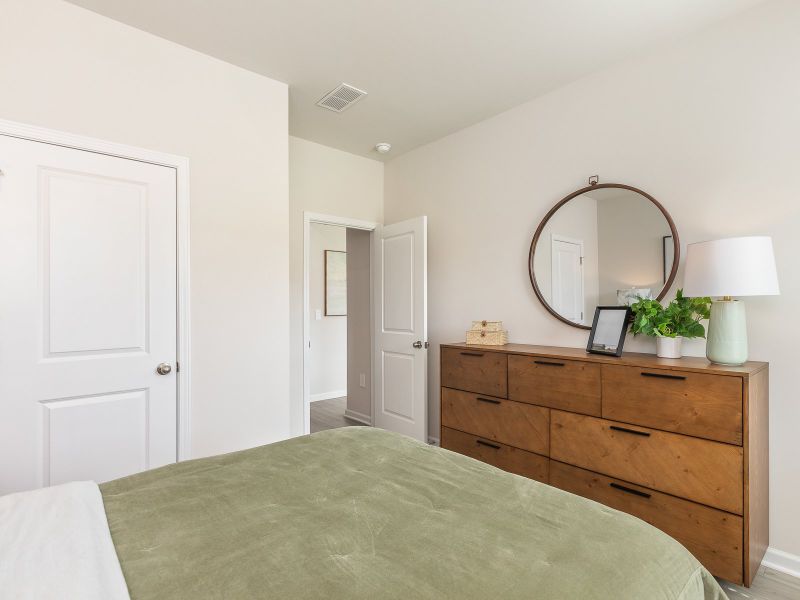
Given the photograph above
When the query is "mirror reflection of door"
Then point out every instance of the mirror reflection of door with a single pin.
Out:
(567, 277)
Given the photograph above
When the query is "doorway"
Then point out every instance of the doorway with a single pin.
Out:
(338, 321)
(396, 375)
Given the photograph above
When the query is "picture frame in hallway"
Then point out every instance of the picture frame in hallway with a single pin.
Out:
(335, 283)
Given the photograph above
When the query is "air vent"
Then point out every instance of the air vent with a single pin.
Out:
(342, 97)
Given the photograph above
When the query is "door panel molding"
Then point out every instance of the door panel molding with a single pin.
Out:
(65, 418)
(181, 166)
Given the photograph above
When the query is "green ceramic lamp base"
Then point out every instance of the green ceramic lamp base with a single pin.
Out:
(727, 333)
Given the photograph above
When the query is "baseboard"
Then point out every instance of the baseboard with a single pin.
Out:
(357, 416)
(327, 395)
(784, 562)
(433, 441)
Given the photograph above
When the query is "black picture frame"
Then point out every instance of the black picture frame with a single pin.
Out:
(667, 254)
(612, 342)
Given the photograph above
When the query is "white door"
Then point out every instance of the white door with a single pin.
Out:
(567, 278)
(87, 312)
(401, 361)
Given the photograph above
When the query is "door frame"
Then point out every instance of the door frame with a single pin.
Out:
(181, 165)
(555, 237)
(322, 219)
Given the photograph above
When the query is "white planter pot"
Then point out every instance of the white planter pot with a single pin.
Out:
(667, 347)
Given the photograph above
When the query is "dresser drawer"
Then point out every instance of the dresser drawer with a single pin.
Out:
(701, 470)
(713, 536)
(475, 371)
(707, 406)
(505, 421)
(566, 384)
(499, 455)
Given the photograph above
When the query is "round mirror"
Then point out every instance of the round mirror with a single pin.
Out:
(604, 245)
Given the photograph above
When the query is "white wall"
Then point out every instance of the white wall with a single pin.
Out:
(328, 334)
(359, 323)
(329, 181)
(69, 69)
(709, 127)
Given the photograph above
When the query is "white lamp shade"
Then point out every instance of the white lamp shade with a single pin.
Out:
(742, 266)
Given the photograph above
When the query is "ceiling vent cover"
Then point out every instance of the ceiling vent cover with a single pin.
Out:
(341, 98)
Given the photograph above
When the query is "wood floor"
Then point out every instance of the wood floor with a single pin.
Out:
(768, 585)
(329, 414)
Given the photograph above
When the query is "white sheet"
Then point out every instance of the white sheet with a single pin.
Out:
(55, 543)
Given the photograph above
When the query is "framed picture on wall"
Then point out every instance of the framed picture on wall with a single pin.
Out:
(335, 283)
(668, 255)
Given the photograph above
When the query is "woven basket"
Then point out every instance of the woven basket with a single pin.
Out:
(487, 338)
(487, 326)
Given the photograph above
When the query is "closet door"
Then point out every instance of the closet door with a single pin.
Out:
(87, 315)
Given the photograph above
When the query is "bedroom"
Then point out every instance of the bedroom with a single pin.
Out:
(694, 103)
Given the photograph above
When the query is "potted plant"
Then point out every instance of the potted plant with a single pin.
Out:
(680, 319)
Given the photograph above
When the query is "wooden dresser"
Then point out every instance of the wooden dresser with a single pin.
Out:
(681, 444)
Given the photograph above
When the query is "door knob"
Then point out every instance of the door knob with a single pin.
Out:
(164, 369)
(417, 344)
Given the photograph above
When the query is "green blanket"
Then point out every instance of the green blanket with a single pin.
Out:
(362, 513)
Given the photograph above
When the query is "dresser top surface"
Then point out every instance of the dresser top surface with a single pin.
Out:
(634, 359)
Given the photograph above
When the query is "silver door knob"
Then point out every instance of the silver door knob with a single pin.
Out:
(417, 344)
(164, 369)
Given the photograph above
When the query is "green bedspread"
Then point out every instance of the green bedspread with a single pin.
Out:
(361, 513)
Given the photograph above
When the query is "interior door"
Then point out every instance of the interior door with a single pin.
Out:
(401, 360)
(567, 278)
(87, 313)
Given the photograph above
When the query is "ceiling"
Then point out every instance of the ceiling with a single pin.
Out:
(430, 67)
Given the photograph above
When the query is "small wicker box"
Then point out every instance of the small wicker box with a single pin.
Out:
(487, 326)
(487, 333)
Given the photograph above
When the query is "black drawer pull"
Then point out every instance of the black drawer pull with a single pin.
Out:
(488, 444)
(663, 376)
(489, 400)
(472, 354)
(549, 364)
(626, 430)
(622, 488)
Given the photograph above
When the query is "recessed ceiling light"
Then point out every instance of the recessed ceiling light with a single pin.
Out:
(383, 147)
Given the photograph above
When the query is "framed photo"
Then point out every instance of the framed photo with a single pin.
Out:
(667, 255)
(608, 330)
(335, 283)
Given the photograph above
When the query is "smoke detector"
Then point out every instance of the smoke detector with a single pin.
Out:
(341, 98)
(383, 147)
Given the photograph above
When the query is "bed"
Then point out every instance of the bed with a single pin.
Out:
(362, 513)
(347, 513)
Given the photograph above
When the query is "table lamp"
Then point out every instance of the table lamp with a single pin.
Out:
(741, 266)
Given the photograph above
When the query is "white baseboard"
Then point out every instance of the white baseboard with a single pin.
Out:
(357, 416)
(327, 395)
(784, 562)
(433, 441)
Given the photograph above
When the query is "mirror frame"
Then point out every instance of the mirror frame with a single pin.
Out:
(675, 242)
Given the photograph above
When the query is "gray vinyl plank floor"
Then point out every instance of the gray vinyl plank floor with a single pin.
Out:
(767, 585)
(329, 414)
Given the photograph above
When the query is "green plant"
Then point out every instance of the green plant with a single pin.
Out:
(680, 318)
